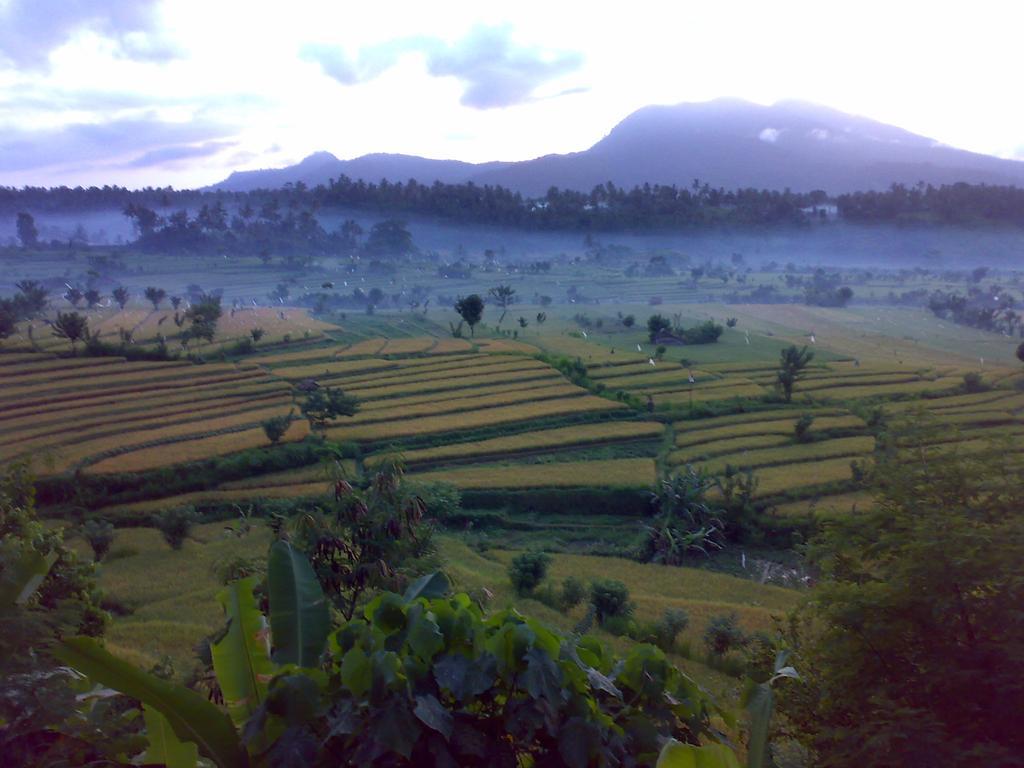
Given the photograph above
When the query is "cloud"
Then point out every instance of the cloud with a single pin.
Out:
(769, 135)
(174, 153)
(821, 134)
(31, 29)
(496, 71)
(371, 62)
(99, 144)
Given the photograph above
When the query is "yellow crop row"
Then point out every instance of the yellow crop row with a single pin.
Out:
(14, 358)
(68, 428)
(696, 435)
(319, 352)
(48, 365)
(704, 451)
(708, 395)
(484, 417)
(582, 434)
(127, 402)
(504, 346)
(156, 431)
(546, 375)
(333, 368)
(989, 399)
(447, 395)
(776, 414)
(449, 346)
(856, 392)
(455, 405)
(810, 385)
(474, 368)
(788, 454)
(407, 346)
(609, 473)
(233, 494)
(828, 506)
(304, 475)
(786, 477)
(130, 374)
(367, 347)
(676, 376)
(192, 450)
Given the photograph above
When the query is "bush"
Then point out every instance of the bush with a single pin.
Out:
(100, 535)
(176, 524)
(573, 592)
(672, 622)
(723, 634)
(802, 428)
(276, 427)
(528, 570)
(973, 382)
(621, 626)
(610, 598)
(442, 500)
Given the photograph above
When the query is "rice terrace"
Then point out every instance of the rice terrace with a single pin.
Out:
(699, 444)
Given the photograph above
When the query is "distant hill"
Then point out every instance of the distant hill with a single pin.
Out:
(725, 143)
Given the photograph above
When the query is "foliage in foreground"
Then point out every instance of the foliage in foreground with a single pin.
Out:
(422, 678)
(913, 646)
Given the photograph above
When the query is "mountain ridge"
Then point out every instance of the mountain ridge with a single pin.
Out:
(727, 143)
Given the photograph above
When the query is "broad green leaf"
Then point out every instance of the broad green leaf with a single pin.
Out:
(433, 714)
(424, 636)
(464, 677)
(165, 748)
(22, 577)
(299, 617)
(759, 702)
(431, 586)
(356, 672)
(190, 715)
(678, 755)
(241, 658)
(543, 679)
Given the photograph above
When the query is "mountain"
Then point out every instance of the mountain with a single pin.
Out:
(319, 167)
(725, 143)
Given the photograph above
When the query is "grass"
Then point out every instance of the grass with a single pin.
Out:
(542, 439)
(610, 473)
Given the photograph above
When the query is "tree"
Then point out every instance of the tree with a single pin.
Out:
(541, 319)
(27, 232)
(203, 315)
(504, 296)
(912, 645)
(256, 334)
(175, 525)
(723, 634)
(657, 324)
(792, 362)
(276, 427)
(71, 326)
(685, 523)
(1020, 352)
(8, 317)
(92, 298)
(100, 535)
(389, 237)
(155, 296)
(74, 296)
(120, 296)
(523, 322)
(471, 310)
(629, 321)
(610, 599)
(32, 296)
(326, 404)
(527, 571)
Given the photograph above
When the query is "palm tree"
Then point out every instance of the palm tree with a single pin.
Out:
(792, 362)
(71, 326)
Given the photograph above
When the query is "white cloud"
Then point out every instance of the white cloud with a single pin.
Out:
(769, 135)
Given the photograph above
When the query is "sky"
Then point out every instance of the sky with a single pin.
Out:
(182, 92)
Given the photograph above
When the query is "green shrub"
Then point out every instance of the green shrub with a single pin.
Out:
(276, 427)
(621, 626)
(610, 598)
(723, 634)
(802, 428)
(442, 500)
(528, 570)
(176, 524)
(973, 382)
(667, 629)
(573, 593)
(100, 535)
